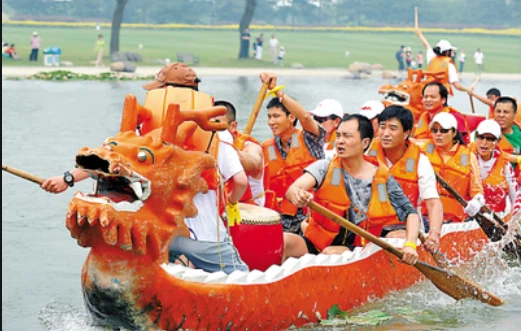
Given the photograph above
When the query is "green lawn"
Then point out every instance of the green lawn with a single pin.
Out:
(219, 48)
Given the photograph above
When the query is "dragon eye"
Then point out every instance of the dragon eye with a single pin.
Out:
(142, 156)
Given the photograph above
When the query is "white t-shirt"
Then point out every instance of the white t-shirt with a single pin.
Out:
(203, 227)
(274, 42)
(329, 153)
(478, 57)
(426, 179)
(462, 57)
(453, 73)
(257, 186)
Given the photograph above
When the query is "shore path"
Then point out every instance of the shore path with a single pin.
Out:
(21, 71)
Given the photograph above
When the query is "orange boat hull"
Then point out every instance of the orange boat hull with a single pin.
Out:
(124, 289)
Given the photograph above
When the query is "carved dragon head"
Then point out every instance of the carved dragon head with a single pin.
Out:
(408, 93)
(144, 184)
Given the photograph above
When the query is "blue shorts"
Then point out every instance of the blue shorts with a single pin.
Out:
(208, 256)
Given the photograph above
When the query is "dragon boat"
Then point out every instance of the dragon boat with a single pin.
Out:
(145, 184)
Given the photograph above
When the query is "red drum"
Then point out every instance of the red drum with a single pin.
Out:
(259, 238)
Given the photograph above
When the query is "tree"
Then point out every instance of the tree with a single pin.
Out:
(247, 16)
(117, 18)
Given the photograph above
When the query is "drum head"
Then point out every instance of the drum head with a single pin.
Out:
(252, 214)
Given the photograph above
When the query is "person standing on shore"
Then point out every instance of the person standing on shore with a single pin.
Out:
(419, 59)
(99, 48)
(258, 49)
(462, 57)
(478, 59)
(399, 57)
(35, 46)
(274, 47)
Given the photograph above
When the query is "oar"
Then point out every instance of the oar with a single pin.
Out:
(23, 174)
(449, 283)
(470, 96)
(441, 260)
(256, 108)
(416, 17)
(492, 229)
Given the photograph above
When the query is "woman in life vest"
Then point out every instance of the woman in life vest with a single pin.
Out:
(497, 174)
(356, 187)
(455, 163)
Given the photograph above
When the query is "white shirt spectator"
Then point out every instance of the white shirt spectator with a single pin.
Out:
(478, 57)
(203, 227)
(462, 57)
(274, 43)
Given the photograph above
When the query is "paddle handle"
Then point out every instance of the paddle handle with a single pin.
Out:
(416, 17)
(23, 174)
(256, 108)
(355, 229)
(472, 104)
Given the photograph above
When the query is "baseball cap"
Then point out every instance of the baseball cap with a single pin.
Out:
(371, 109)
(35, 33)
(445, 45)
(328, 107)
(489, 126)
(445, 120)
(174, 73)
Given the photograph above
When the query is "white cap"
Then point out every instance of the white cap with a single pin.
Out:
(35, 33)
(372, 108)
(445, 120)
(445, 45)
(489, 126)
(328, 107)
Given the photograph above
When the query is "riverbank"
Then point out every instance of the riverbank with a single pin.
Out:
(21, 72)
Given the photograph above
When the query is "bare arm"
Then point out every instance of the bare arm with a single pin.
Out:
(423, 40)
(295, 108)
(412, 229)
(460, 87)
(481, 98)
(56, 184)
(252, 159)
(239, 185)
(297, 193)
(435, 210)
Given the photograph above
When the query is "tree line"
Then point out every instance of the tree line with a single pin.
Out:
(433, 13)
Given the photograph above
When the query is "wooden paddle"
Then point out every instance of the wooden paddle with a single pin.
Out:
(416, 17)
(448, 282)
(23, 174)
(256, 108)
(470, 96)
(441, 260)
(494, 230)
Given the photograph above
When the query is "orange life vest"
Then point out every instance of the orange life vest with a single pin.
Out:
(456, 173)
(423, 130)
(495, 186)
(441, 64)
(280, 173)
(491, 113)
(321, 231)
(405, 171)
(505, 145)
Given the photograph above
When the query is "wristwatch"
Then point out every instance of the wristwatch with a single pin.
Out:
(68, 178)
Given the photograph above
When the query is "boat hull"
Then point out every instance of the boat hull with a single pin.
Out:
(123, 289)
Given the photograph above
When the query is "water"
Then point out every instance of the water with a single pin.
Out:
(45, 123)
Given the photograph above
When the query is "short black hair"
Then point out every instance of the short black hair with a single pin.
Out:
(231, 112)
(402, 114)
(364, 126)
(443, 90)
(507, 100)
(494, 91)
(275, 102)
(438, 51)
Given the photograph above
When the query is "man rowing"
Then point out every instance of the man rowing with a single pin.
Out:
(355, 187)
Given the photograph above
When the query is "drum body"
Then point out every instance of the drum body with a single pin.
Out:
(259, 238)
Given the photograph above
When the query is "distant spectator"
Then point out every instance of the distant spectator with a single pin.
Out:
(453, 56)
(99, 48)
(11, 52)
(399, 57)
(245, 47)
(282, 53)
(462, 57)
(419, 59)
(478, 59)
(408, 57)
(258, 49)
(274, 46)
(35, 46)
(5, 46)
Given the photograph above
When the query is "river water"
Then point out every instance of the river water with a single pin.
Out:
(45, 123)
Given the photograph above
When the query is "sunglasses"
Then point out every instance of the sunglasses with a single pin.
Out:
(487, 138)
(321, 119)
(440, 130)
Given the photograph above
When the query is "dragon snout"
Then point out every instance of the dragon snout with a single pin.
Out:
(93, 162)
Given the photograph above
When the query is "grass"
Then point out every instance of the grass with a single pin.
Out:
(218, 48)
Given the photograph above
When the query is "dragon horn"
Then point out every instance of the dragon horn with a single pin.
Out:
(171, 123)
(130, 113)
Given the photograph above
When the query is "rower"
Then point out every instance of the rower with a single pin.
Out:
(492, 95)
(499, 181)
(250, 154)
(454, 162)
(289, 151)
(505, 111)
(356, 187)
(409, 166)
(434, 100)
(328, 113)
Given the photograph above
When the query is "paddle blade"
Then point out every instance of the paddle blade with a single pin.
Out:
(456, 286)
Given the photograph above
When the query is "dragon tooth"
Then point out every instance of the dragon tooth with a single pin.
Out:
(138, 190)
